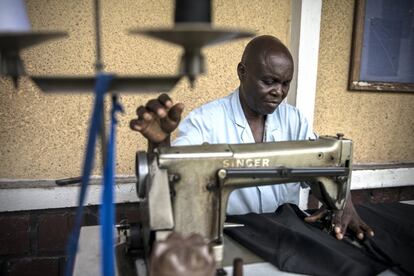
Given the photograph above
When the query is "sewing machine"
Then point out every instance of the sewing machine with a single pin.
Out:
(186, 189)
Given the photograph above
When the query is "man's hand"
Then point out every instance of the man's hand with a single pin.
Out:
(343, 219)
(157, 119)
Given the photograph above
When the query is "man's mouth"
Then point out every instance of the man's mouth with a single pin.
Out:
(272, 103)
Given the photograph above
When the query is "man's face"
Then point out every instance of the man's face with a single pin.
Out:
(265, 83)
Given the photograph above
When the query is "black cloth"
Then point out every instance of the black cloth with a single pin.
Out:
(285, 240)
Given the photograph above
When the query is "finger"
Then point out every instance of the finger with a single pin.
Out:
(196, 239)
(174, 235)
(157, 107)
(143, 113)
(136, 124)
(339, 226)
(340, 230)
(337, 217)
(317, 216)
(339, 233)
(165, 100)
(364, 229)
(175, 112)
(356, 227)
(367, 229)
(133, 124)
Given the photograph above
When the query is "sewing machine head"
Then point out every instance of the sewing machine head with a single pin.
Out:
(185, 189)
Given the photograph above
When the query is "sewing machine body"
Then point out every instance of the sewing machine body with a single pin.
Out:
(186, 189)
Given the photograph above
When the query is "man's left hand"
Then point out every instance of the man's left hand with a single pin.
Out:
(343, 219)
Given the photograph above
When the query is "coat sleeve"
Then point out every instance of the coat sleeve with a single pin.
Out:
(189, 131)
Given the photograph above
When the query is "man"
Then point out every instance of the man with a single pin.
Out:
(254, 112)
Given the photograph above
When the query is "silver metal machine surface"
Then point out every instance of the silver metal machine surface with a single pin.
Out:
(186, 189)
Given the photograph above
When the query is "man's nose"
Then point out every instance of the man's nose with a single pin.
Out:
(277, 90)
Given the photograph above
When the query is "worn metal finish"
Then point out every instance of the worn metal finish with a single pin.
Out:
(209, 173)
(141, 163)
(158, 196)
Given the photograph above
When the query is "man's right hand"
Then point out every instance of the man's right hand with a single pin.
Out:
(157, 119)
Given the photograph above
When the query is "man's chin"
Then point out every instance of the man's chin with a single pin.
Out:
(269, 108)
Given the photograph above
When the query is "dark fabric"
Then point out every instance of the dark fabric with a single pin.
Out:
(285, 240)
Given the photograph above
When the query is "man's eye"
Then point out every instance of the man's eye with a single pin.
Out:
(268, 82)
(286, 83)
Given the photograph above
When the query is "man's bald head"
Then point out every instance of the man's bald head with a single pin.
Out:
(262, 46)
(265, 73)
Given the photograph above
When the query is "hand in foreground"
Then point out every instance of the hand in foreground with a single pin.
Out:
(157, 119)
(182, 255)
(343, 219)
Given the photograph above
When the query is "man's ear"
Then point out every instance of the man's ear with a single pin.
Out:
(241, 71)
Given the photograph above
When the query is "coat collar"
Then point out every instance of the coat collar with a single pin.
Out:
(273, 124)
(238, 115)
(243, 129)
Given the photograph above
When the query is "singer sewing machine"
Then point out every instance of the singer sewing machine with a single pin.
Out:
(185, 189)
